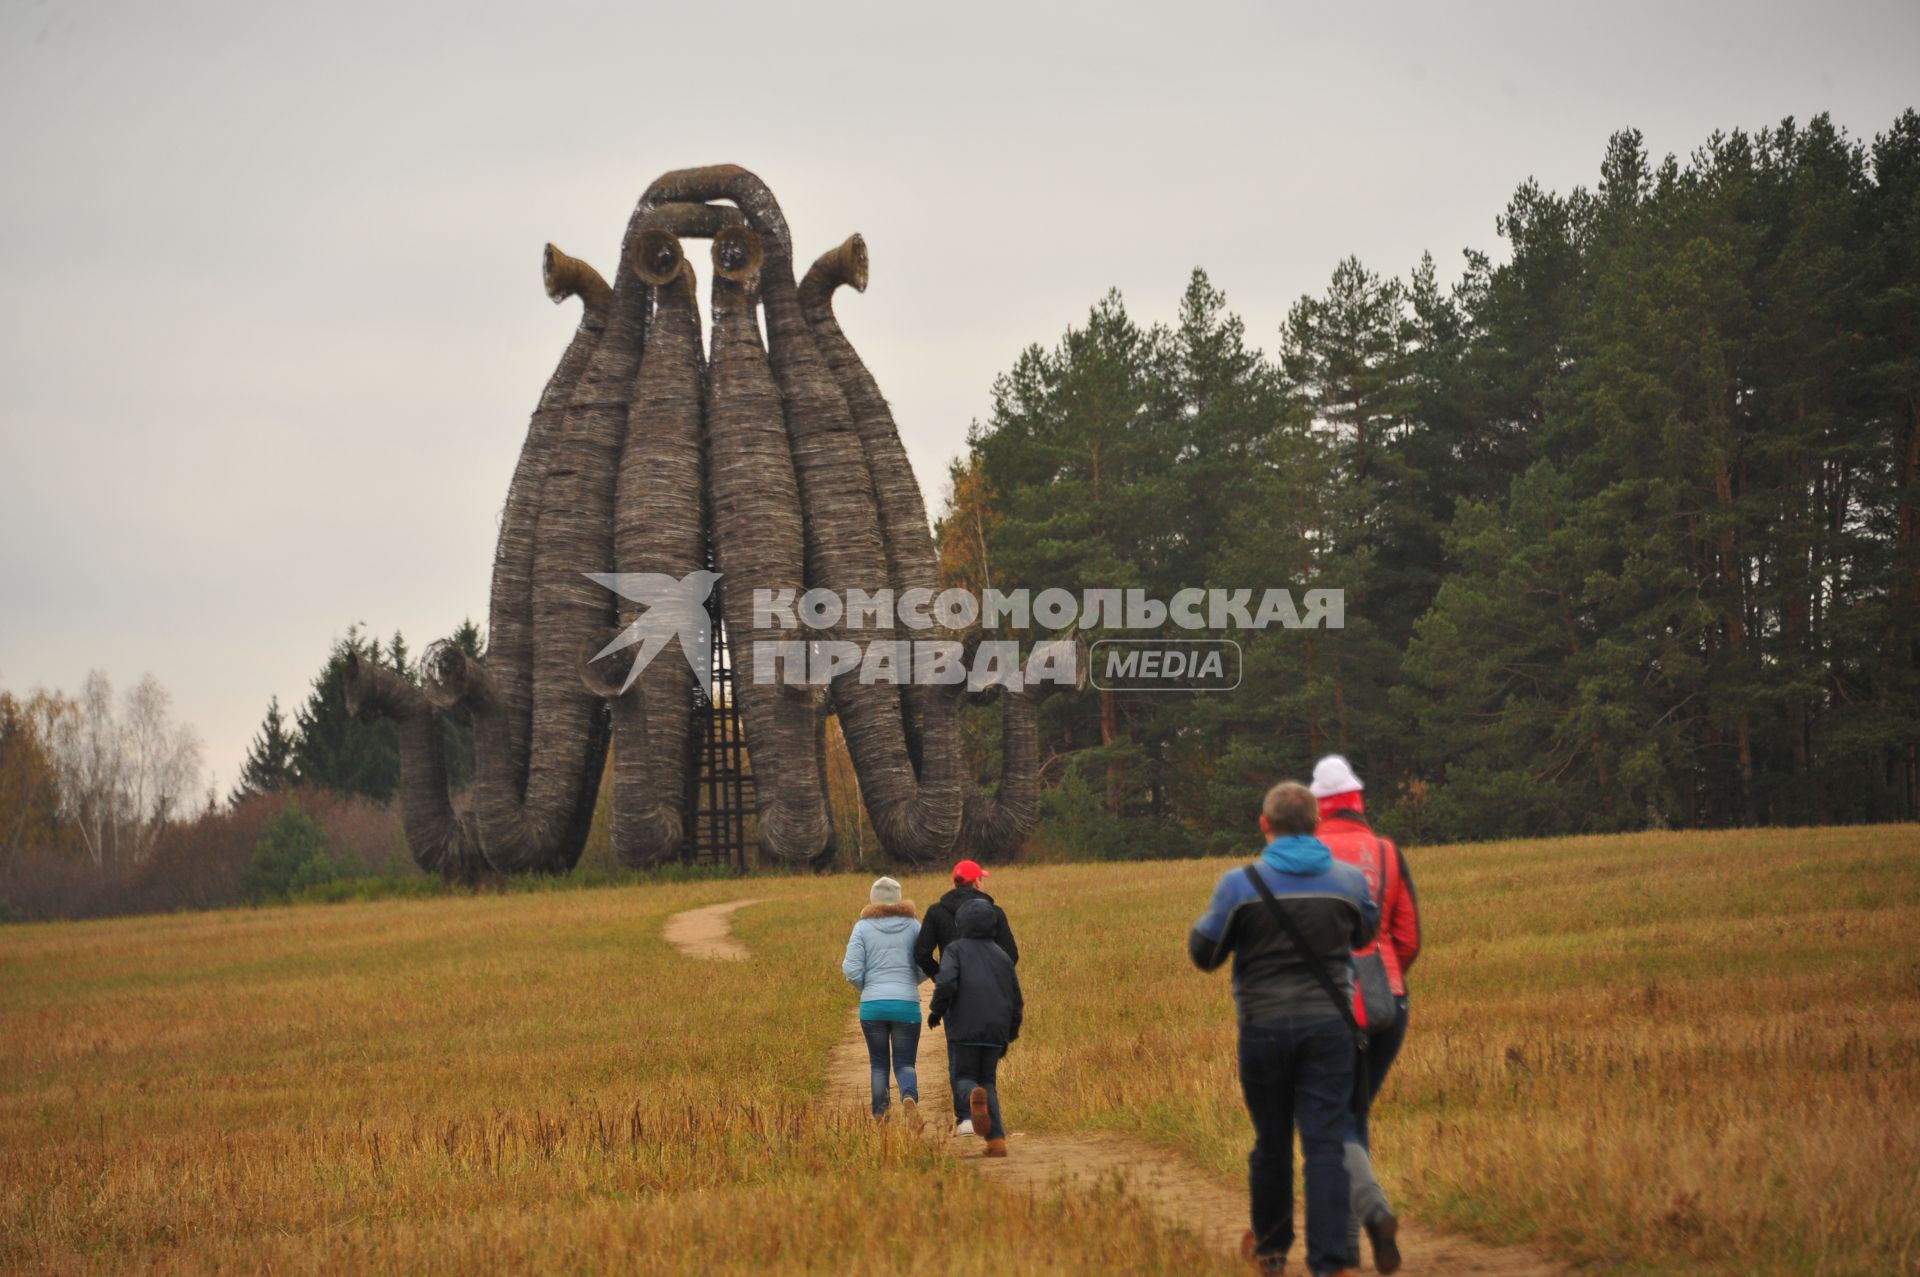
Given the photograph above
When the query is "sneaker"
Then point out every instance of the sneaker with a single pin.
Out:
(977, 1105)
(965, 1127)
(1383, 1230)
(997, 1147)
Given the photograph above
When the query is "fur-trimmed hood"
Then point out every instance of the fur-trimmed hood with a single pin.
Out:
(904, 909)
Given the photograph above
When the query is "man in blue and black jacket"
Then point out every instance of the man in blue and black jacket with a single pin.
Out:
(1296, 1050)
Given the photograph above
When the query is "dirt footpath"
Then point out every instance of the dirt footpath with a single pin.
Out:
(708, 932)
(1182, 1194)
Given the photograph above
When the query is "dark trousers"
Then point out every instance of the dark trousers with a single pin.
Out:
(953, 1080)
(1299, 1073)
(895, 1042)
(975, 1064)
(1381, 1050)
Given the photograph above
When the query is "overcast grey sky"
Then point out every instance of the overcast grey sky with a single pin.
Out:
(270, 308)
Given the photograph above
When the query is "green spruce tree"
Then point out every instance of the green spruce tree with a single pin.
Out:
(334, 749)
(269, 765)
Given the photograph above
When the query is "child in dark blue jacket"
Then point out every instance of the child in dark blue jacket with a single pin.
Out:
(977, 994)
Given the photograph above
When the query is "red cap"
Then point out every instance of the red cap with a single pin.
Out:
(970, 871)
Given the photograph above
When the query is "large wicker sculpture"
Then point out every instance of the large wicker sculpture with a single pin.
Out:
(780, 458)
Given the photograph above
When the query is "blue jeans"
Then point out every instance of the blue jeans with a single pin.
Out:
(1381, 1050)
(976, 1065)
(1299, 1072)
(902, 1041)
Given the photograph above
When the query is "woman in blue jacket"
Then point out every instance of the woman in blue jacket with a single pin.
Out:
(880, 964)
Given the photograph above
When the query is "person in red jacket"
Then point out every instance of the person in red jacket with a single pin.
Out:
(1344, 828)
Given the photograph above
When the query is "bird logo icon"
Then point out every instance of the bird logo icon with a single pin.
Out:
(672, 609)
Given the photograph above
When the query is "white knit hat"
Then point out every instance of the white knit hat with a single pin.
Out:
(885, 892)
(1334, 775)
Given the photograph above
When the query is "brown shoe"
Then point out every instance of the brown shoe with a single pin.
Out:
(977, 1108)
(1272, 1265)
(997, 1147)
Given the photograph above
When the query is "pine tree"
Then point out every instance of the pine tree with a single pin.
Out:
(335, 750)
(1079, 451)
(269, 765)
(1347, 358)
(1891, 386)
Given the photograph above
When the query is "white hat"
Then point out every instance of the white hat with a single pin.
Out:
(1334, 775)
(885, 892)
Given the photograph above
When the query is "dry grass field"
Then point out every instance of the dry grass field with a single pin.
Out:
(1649, 1054)
(1652, 1054)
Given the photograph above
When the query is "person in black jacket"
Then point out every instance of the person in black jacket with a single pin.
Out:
(936, 933)
(977, 993)
(937, 929)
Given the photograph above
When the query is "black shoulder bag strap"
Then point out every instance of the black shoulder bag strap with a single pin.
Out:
(1380, 858)
(1343, 1005)
(1292, 928)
